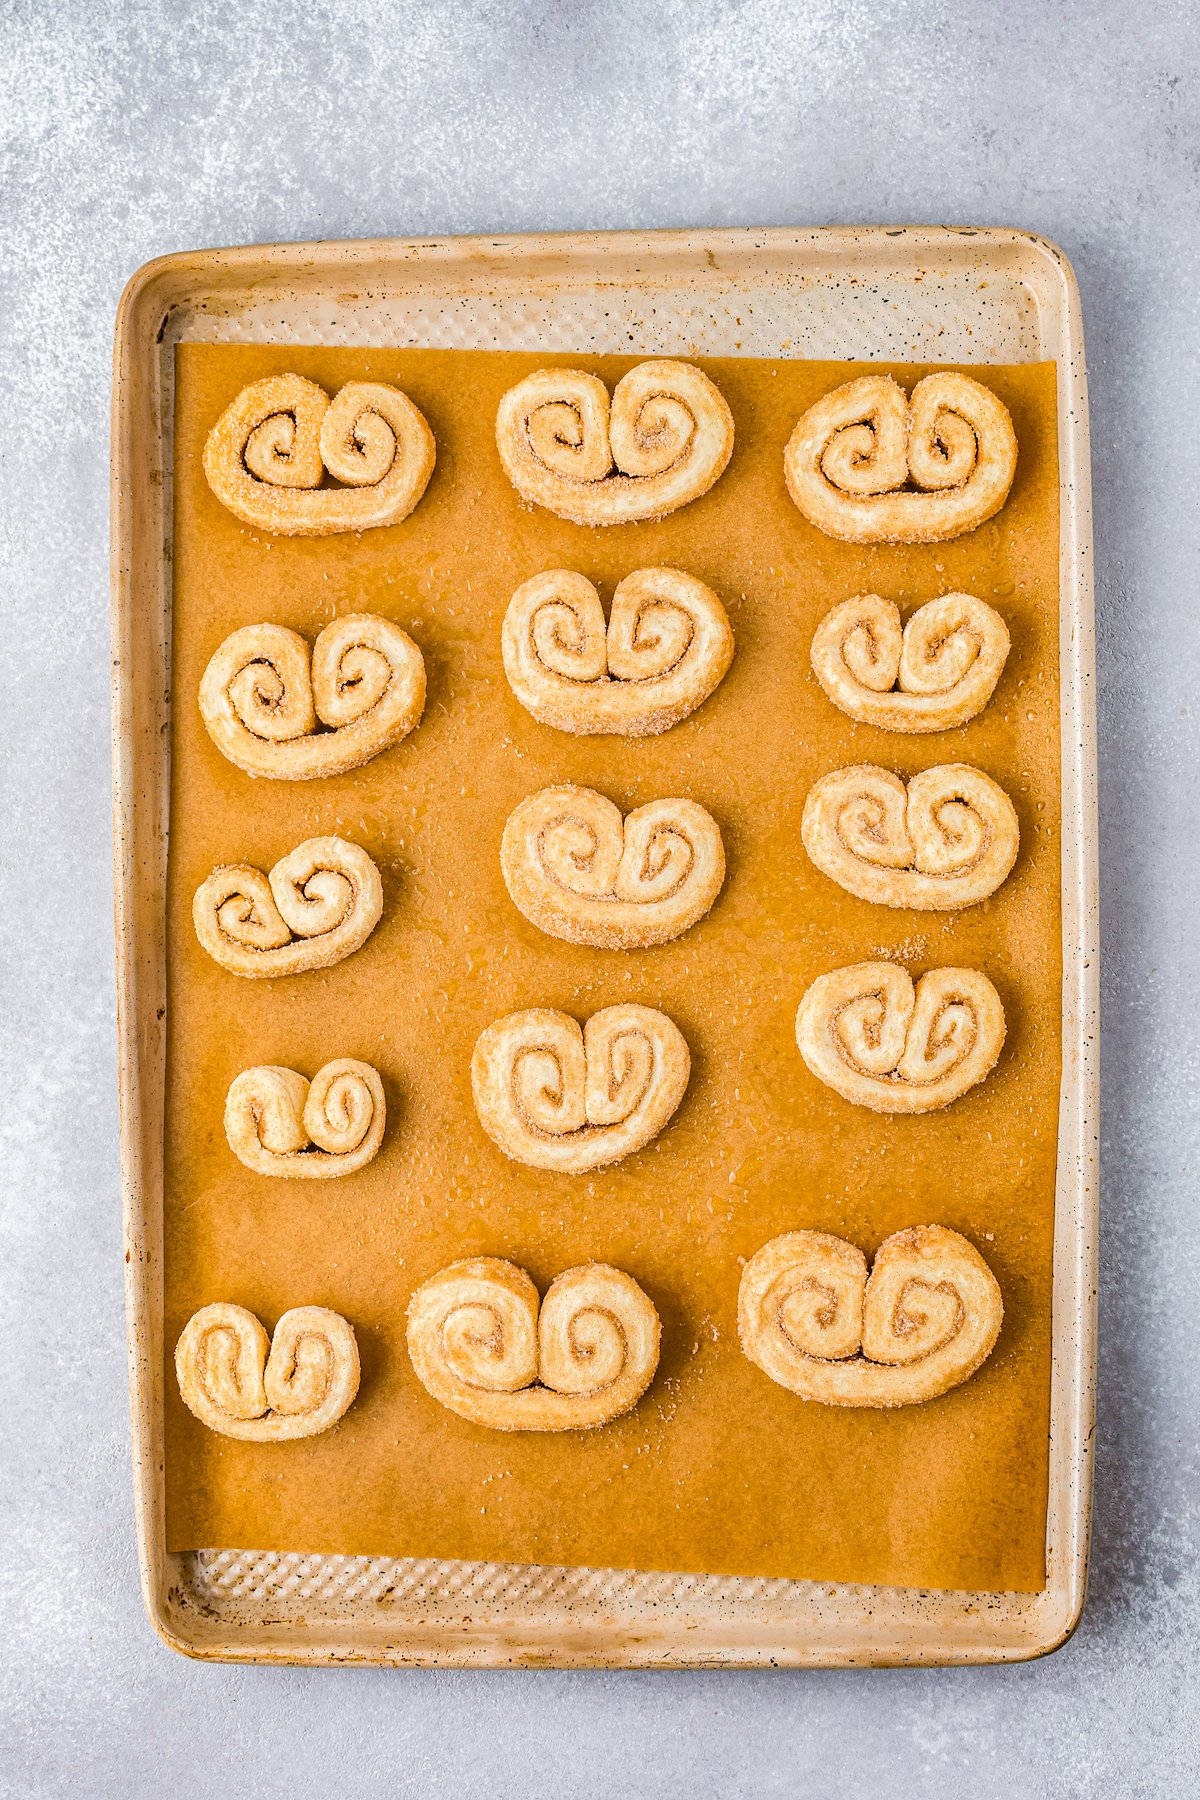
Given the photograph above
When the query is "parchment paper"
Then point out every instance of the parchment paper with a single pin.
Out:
(717, 1470)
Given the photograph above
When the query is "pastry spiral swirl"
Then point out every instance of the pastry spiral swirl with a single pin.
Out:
(553, 1096)
(261, 702)
(877, 1040)
(847, 461)
(580, 872)
(319, 904)
(924, 1320)
(669, 432)
(481, 1347)
(277, 1123)
(267, 454)
(946, 841)
(665, 648)
(231, 1384)
(945, 663)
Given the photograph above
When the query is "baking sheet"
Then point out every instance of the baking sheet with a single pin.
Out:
(718, 1470)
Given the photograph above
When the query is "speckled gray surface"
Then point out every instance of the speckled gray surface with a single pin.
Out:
(128, 131)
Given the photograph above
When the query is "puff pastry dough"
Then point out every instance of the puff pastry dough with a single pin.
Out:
(277, 1123)
(664, 649)
(923, 1321)
(267, 454)
(580, 872)
(946, 841)
(668, 430)
(319, 904)
(261, 700)
(481, 1347)
(877, 1040)
(233, 1386)
(936, 673)
(555, 1096)
(849, 459)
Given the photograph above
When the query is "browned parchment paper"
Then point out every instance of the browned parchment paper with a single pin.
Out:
(717, 1470)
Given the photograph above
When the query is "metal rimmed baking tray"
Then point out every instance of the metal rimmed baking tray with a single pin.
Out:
(914, 294)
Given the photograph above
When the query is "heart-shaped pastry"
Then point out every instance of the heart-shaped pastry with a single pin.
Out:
(267, 454)
(480, 1345)
(668, 431)
(923, 1321)
(870, 466)
(277, 1123)
(231, 1384)
(580, 872)
(877, 1040)
(946, 841)
(665, 647)
(319, 904)
(555, 1096)
(938, 672)
(263, 693)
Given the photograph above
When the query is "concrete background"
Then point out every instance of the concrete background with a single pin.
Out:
(132, 130)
